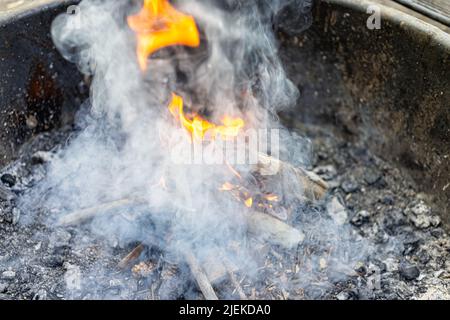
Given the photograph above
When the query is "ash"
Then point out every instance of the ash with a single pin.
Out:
(371, 201)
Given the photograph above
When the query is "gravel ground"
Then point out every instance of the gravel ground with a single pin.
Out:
(375, 237)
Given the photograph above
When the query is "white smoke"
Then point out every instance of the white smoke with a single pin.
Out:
(124, 138)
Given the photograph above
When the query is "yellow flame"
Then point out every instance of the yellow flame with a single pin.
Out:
(199, 127)
(160, 25)
(249, 202)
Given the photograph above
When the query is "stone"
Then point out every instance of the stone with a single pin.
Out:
(3, 287)
(54, 261)
(420, 214)
(421, 209)
(337, 211)
(8, 275)
(15, 216)
(326, 172)
(388, 200)
(391, 264)
(8, 179)
(424, 222)
(41, 157)
(435, 221)
(40, 295)
(60, 238)
(360, 268)
(349, 186)
(72, 277)
(343, 295)
(423, 257)
(372, 176)
(360, 218)
(409, 271)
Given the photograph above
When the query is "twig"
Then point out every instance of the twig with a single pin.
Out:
(237, 286)
(80, 216)
(201, 278)
(130, 257)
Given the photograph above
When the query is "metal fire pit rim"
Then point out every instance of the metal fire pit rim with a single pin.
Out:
(24, 12)
(436, 35)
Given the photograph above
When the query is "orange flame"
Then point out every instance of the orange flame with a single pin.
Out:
(160, 25)
(199, 127)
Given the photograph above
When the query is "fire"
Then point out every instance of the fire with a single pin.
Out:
(200, 128)
(160, 25)
(249, 202)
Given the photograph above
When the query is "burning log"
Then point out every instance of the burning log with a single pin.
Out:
(200, 276)
(267, 228)
(314, 188)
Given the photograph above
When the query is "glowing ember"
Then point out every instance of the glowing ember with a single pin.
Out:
(249, 202)
(200, 128)
(160, 25)
(271, 197)
(227, 187)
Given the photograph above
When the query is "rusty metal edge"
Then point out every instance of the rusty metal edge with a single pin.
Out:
(428, 11)
(31, 8)
(436, 35)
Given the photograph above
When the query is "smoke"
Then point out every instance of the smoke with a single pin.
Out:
(123, 146)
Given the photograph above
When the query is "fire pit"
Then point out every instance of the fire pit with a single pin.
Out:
(349, 201)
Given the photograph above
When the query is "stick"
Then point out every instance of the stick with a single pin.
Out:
(270, 229)
(133, 255)
(314, 187)
(201, 278)
(236, 284)
(80, 216)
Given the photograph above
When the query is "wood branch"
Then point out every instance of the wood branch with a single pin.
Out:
(313, 187)
(132, 256)
(267, 228)
(200, 276)
(81, 216)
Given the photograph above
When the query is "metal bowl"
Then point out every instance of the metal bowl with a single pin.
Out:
(388, 87)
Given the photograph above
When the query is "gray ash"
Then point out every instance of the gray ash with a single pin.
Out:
(407, 255)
